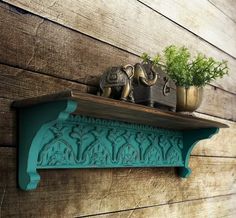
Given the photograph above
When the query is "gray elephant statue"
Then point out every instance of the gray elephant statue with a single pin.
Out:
(117, 82)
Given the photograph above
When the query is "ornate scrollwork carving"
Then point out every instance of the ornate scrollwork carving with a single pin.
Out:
(173, 155)
(153, 155)
(127, 155)
(100, 143)
(57, 151)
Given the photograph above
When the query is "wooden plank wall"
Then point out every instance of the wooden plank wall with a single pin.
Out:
(50, 46)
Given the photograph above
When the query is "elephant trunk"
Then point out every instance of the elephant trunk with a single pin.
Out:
(141, 75)
(149, 82)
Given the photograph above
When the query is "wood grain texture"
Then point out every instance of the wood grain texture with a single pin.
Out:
(101, 107)
(8, 121)
(126, 25)
(32, 43)
(217, 102)
(16, 83)
(217, 207)
(228, 7)
(70, 193)
(202, 18)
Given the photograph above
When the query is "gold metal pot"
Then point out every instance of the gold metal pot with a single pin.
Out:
(188, 99)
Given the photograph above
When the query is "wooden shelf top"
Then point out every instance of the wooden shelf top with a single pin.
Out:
(99, 107)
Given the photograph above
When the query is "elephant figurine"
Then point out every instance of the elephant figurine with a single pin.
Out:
(117, 82)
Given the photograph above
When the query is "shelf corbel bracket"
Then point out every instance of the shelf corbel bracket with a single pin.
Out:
(190, 139)
(34, 121)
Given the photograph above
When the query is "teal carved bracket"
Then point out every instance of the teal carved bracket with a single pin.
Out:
(52, 136)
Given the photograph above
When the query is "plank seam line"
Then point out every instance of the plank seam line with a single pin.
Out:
(229, 119)
(156, 205)
(221, 11)
(70, 28)
(213, 156)
(216, 87)
(186, 29)
(46, 74)
(5, 98)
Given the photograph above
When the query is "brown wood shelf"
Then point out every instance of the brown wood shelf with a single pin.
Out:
(100, 107)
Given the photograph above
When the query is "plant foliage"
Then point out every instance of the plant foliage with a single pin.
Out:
(184, 71)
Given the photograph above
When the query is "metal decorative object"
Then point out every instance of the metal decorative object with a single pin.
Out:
(118, 82)
(189, 99)
(161, 95)
(52, 137)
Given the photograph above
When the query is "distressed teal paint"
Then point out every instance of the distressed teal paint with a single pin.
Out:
(51, 137)
(33, 124)
(190, 139)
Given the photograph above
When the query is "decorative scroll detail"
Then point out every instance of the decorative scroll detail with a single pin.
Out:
(89, 142)
(97, 153)
(153, 155)
(57, 151)
(174, 155)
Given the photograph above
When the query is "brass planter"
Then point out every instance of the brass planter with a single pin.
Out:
(188, 99)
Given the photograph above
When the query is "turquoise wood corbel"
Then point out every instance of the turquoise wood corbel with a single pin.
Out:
(52, 136)
(34, 124)
(190, 139)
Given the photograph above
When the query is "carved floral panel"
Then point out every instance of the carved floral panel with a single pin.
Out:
(89, 142)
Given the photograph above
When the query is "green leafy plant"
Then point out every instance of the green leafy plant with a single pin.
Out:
(187, 71)
(147, 59)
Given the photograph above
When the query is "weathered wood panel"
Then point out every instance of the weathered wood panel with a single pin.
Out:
(69, 193)
(202, 18)
(7, 123)
(126, 24)
(217, 207)
(15, 84)
(228, 7)
(32, 43)
(218, 103)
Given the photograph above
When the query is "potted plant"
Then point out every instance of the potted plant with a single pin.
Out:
(190, 74)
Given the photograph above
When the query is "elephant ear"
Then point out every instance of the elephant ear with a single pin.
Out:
(129, 70)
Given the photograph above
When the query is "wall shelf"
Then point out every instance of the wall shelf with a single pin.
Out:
(77, 130)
